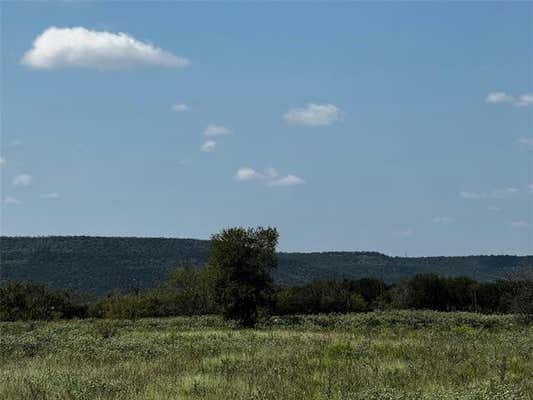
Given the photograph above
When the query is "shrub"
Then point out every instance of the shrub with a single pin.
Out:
(29, 301)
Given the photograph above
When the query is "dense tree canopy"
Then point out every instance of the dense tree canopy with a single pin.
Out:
(243, 260)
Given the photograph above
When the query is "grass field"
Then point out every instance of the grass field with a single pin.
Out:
(389, 355)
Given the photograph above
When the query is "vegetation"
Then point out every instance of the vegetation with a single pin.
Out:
(101, 265)
(395, 355)
(26, 301)
(242, 261)
(194, 292)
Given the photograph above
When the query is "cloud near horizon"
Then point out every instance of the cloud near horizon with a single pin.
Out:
(79, 47)
(313, 115)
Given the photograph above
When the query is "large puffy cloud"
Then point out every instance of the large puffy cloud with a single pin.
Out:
(313, 115)
(83, 48)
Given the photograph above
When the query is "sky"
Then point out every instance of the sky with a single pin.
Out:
(404, 128)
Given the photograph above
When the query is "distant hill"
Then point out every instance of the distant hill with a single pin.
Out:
(102, 264)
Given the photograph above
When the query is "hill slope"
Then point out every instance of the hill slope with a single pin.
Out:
(102, 264)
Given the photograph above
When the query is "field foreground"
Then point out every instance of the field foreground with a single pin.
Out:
(381, 356)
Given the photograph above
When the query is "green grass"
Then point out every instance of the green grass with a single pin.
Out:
(389, 355)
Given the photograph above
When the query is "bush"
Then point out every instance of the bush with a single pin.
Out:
(29, 301)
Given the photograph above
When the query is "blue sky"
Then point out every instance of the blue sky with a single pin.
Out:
(401, 128)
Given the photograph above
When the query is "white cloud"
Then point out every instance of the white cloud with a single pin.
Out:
(523, 100)
(83, 48)
(405, 233)
(16, 143)
(499, 97)
(2, 161)
(22, 180)
(495, 194)
(313, 115)
(270, 176)
(526, 141)
(216, 130)
(289, 180)
(208, 146)
(494, 208)
(11, 200)
(180, 107)
(519, 224)
(472, 195)
(443, 220)
(504, 193)
(247, 174)
(51, 195)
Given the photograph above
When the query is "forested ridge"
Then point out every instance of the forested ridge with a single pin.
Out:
(103, 264)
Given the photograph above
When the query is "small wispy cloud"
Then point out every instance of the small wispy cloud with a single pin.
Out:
(50, 196)
(313, 115)
(208, 146)
(526, 141)
(289, 180)
(2, 161)
(443, 220)
(79, 47)
(22, 180)
(519, 224)
(494, 208)
(247, 174)
(217, 130)
(11, 200)
(494, 194)
(404, 233)
(180, 107)
(523, 100)
(270, 176)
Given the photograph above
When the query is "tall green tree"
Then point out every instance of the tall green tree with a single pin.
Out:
(242, 260)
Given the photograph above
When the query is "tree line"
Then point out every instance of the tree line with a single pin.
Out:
(237, 283)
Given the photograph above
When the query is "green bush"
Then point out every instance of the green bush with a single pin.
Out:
(28, 301)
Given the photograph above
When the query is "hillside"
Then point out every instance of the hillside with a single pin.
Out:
(102, 264)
